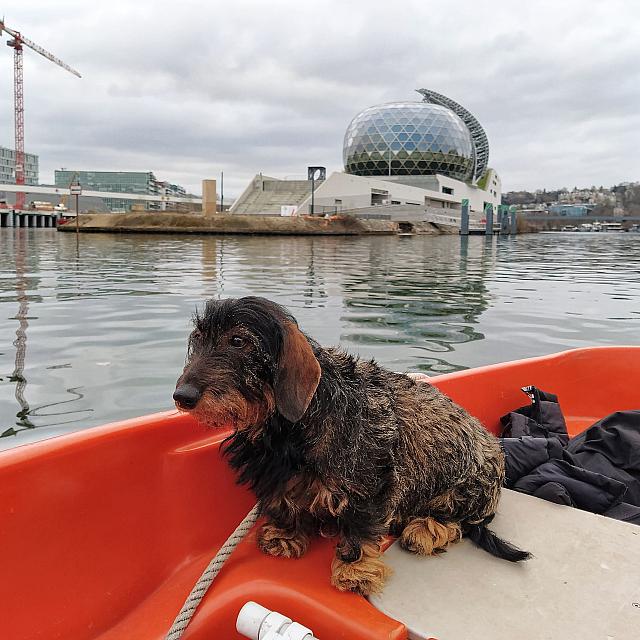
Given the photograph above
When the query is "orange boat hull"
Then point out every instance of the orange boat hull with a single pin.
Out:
(104, 532)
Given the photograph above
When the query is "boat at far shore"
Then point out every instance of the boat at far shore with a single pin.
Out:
(597, 227)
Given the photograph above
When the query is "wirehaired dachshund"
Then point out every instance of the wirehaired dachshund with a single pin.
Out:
(338, 446)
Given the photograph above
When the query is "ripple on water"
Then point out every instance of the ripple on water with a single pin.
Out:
(104, 334)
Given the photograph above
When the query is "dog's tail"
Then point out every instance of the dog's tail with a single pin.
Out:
(489, 541)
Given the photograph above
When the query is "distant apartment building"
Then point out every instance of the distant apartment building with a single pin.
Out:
(169, 189)
(8, 167)
(138, 182)
(573, 210)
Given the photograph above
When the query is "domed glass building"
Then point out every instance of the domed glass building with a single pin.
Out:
(409, 138)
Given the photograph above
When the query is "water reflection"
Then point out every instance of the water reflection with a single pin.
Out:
(20, 343)
(210, 248)
(427, 296)
(108, 337)
(26, 263)
(314, 292)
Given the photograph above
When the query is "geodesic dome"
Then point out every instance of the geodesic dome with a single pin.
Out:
(408, 138)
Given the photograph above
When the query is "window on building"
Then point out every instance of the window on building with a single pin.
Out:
(379, 196)
(447, 190)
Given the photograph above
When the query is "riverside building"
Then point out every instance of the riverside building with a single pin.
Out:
(138, 182)
(401, 159)
(8, 167)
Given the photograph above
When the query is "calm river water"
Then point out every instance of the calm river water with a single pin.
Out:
(90, 339)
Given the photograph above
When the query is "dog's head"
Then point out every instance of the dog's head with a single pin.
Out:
(246, 359)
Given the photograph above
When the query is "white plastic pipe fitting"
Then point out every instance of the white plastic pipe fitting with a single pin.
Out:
(257, 623)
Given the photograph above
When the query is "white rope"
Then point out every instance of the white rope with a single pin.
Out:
(200, 589)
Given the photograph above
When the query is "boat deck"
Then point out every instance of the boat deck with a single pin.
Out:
(582, 582)
(105, 532)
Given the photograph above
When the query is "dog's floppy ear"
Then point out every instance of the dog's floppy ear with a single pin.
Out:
(298, 374)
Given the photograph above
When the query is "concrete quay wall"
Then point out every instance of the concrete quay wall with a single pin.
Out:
(234, 224)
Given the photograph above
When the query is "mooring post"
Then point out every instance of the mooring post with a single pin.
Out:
(513, 226)
(488, 214)
(504, 219)
(464, 220)
(78, 220)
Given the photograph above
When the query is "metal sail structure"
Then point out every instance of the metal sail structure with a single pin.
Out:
(17, 43)
(478, 135)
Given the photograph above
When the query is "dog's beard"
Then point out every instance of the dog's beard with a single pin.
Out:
(232, 409)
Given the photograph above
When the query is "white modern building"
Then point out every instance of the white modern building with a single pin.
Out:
(343, 192)
(402, 161)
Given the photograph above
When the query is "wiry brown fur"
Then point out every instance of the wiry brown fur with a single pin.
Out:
(366, 575)
(425, 536)
(280, 542)
(331, 444)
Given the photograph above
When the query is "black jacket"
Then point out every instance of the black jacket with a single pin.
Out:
(598, 470)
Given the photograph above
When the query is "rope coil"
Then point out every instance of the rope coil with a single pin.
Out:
(213, 569)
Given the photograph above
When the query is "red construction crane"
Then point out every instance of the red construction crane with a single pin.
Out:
(17, 44)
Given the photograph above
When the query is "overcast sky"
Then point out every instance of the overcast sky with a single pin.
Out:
(187, 89)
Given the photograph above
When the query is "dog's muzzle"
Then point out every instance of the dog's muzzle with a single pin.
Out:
(186, 396)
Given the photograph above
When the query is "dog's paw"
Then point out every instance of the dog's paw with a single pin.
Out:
(364, 576)
(425, 536)
(278, 542)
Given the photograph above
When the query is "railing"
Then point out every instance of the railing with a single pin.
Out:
(401, 213)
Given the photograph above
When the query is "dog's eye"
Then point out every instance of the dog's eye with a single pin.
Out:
(196, 334)
(236, 341)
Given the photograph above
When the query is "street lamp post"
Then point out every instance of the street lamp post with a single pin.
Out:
(312, 172)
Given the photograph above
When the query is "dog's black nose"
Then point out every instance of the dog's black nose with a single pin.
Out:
(187, 396)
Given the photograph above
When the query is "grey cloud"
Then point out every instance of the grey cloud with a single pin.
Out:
(190, 89)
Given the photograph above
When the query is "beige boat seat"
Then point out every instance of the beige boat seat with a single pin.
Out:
(582, 584)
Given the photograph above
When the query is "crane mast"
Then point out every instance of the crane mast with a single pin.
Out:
(18, 98)
(17, 43)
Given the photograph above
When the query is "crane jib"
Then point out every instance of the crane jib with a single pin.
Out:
(19, 39)
(49, 56)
